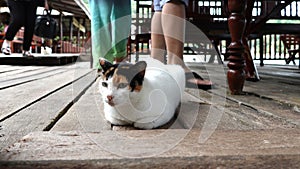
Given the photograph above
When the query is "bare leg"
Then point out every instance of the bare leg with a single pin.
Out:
(173, 19)
(158, 45)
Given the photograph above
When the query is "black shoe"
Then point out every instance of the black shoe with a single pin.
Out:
(27, 54)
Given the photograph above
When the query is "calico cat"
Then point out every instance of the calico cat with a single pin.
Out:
(145, 94)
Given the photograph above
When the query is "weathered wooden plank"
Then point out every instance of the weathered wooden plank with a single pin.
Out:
(265, 104)
(25, 77)
(21, 96)
(225, 149)
(86, 114)
(274, 100)
(7, 68)
(221, 113)
(276, 88)
(43, 114)
(49, 60)
(16, 70)
(22, 70)
(188, 104)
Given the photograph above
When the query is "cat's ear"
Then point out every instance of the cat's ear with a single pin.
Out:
(105, 65)
(140, 68)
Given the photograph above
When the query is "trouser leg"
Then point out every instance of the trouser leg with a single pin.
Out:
(29, 24)
(121, 23)
(100, 30)
(17, 21)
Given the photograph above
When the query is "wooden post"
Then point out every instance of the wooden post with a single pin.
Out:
(261, 50)
(71, 28)
(61, 34)
(236, 24)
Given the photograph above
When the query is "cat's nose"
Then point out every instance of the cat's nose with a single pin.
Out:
(110, 97)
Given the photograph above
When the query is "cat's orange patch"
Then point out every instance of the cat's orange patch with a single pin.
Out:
(119, 79)
(138, 88)
(102, 62)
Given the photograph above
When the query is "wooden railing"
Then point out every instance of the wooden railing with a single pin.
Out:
(210, 16)
(275, 47)
(264, 37)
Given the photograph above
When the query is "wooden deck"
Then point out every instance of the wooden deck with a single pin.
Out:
(51, 117)
(54, 59)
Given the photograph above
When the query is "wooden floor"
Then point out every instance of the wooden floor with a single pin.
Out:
(213, 128)
(54, 59)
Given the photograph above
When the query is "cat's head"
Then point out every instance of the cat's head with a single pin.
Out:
(119, 81)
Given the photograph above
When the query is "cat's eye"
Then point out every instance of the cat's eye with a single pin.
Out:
(104, 84)
(122, 85)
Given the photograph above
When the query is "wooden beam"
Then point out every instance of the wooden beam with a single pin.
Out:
(261, 21)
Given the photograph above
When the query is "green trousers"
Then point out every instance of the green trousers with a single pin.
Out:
(110, 28)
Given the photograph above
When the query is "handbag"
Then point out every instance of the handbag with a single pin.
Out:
(45, 26)
(40, 3)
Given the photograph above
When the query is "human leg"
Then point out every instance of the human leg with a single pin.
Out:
(100, 30)
(158, 45)
(173, 19)
(173, 25)
(121, 24)
(29, 26)
(17, 15)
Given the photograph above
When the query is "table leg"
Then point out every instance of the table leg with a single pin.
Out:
(236, 24)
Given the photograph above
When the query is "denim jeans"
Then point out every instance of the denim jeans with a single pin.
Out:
(158, 4)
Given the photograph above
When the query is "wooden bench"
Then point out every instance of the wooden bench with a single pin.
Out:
(292, 45)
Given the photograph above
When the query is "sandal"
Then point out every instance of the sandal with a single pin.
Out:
(6, 51)
(27, 54)
(192, 80)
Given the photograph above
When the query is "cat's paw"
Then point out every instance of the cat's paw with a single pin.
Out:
(145, 126)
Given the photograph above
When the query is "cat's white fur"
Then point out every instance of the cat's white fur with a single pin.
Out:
(154, 105)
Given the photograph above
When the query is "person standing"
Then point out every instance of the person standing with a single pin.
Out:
(23, 13)
(167, 32)
(110, 29)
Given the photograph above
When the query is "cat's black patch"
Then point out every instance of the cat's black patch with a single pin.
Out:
(105, 65)
(133, 73)
(108, 69)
